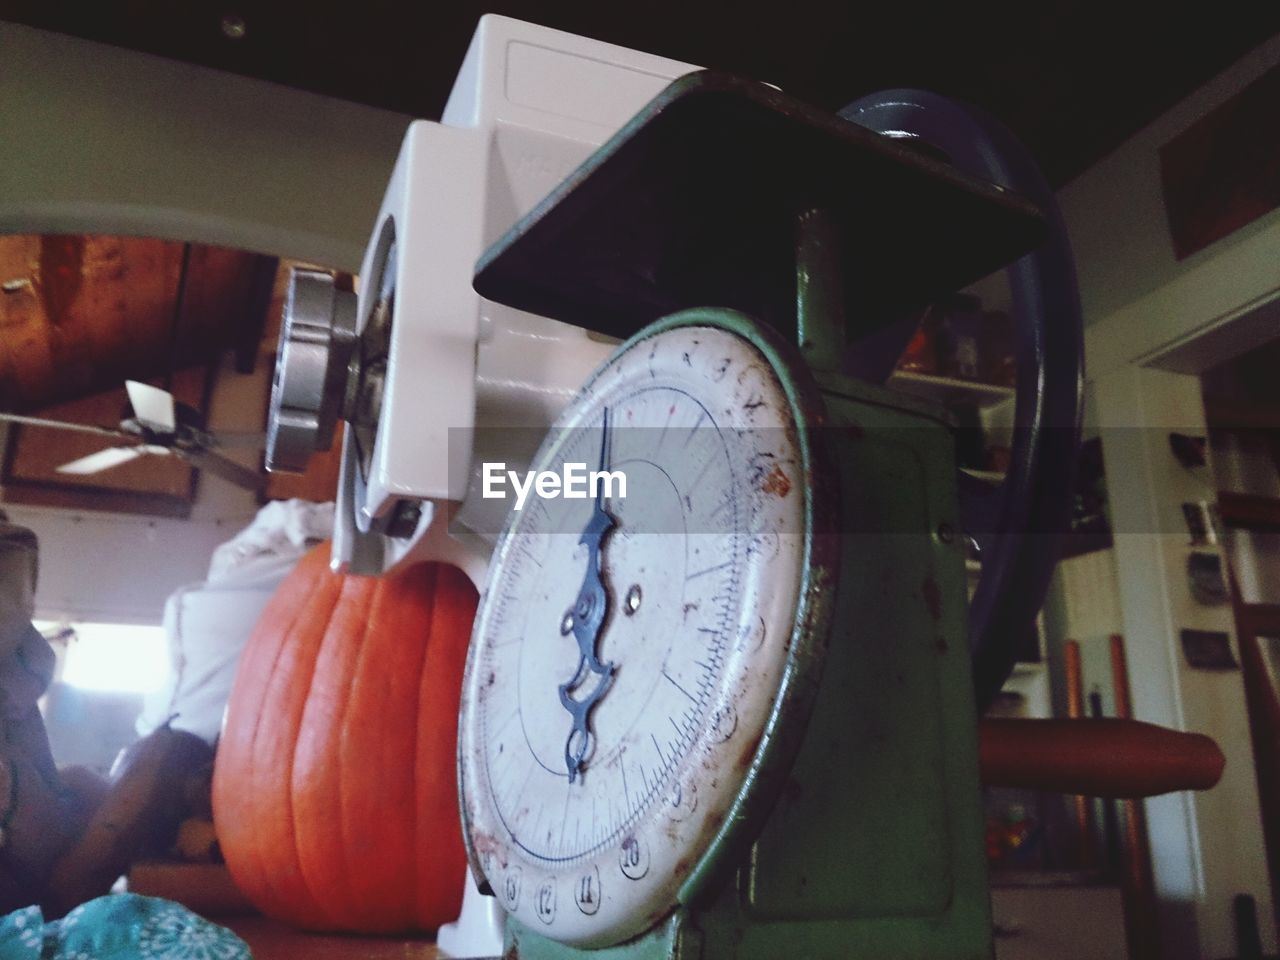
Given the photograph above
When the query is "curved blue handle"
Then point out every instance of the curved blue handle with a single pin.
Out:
(1019, 526)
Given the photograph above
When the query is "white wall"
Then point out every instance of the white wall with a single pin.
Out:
(1206, 847)
(1140, 303)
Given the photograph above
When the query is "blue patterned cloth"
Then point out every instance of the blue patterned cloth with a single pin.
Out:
(121, 926)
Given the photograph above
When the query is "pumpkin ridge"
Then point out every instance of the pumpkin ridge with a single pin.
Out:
(336, 596)
(429, 600)
(338, 914)
(417, 742)
(452, 616)
(387, 603)
(263, 880)
(372, 603)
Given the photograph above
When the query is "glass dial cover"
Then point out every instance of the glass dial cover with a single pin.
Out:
(629, 650)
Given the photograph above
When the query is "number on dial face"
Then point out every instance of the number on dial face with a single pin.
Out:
(628, 648)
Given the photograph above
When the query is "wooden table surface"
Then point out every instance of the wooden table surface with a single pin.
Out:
(272, 941)
(208, 890)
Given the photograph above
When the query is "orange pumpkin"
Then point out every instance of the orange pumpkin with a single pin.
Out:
(335, 790)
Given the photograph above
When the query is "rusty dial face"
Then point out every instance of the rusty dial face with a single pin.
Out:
(588, 837)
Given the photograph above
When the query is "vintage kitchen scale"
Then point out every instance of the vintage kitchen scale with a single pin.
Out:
(732, 714)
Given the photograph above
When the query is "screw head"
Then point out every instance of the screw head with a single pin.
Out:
(404, 519)
(632, 603)
(566, 625)
(946, 532)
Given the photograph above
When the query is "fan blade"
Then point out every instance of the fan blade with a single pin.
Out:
(103, 460)
(62, 425)
(240, 475)
(152, 405)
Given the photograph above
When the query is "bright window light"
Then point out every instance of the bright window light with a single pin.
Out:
(113, 657)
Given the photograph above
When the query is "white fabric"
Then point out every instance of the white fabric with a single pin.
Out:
(277, 537)
(207, 624)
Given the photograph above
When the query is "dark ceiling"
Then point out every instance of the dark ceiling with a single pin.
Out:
(1072, 79)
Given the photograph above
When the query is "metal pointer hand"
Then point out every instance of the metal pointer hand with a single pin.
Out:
(584, 619)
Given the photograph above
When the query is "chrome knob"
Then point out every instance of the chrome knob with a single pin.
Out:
(317, 339)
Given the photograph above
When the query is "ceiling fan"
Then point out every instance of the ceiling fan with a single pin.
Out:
(160, 426)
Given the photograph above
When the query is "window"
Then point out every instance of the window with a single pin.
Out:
(112, 657)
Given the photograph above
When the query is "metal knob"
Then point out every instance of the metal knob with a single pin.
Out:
(317, 338)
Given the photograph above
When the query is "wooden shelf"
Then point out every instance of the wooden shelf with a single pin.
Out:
(949, 390)
(1006, 877)
(1249, 510)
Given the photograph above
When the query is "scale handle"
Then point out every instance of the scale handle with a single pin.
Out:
(1096, 758)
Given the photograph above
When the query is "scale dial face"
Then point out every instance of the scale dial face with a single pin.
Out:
(629, 650)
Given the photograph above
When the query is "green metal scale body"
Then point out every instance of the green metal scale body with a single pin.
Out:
(838, 814)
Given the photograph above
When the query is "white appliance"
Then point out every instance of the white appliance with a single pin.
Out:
(432, 379)
(445, 379)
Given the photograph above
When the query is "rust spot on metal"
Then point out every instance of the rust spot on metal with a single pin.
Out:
(854, 431)
(487, 843)
(681, 867)
(512, 954)
(776, 482)
(932, 597)
(943, 646)
(749, 753)
(492, 678)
